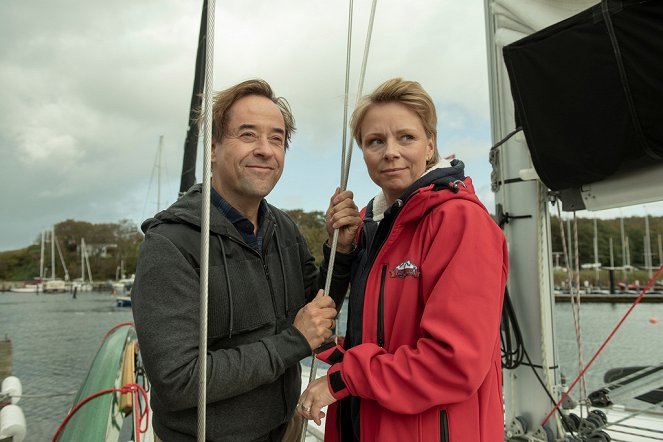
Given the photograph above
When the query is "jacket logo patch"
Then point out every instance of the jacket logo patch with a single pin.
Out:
(404, 269)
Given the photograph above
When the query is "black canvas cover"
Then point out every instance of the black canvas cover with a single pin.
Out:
(588, 92)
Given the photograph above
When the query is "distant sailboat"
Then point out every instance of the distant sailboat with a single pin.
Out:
(80, 284)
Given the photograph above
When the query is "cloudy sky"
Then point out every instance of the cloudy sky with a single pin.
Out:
(88, 88)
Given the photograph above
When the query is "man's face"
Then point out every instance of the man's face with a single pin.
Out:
(248, 161)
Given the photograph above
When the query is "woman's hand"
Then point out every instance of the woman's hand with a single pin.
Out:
(315, 397)
(343, 215)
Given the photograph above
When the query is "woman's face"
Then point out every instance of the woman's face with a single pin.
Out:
(395, 147)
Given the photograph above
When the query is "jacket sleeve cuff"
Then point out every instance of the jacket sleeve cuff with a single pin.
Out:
(335, 382)
(332, 355)
(290, 345)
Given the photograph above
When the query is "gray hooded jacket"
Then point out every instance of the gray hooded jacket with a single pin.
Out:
(253, 372)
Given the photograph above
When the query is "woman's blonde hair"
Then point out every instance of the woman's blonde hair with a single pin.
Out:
(411, 95)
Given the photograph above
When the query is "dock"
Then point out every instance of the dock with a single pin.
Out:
(610, 298)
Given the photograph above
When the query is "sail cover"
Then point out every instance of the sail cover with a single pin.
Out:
(588, 92)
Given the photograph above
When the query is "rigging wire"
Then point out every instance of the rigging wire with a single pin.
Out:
(506, 138)
(575, 301)
(205, 221)
(575, 308)
(346, 155)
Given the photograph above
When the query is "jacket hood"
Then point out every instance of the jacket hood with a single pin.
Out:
(187, 210)
(444, 175)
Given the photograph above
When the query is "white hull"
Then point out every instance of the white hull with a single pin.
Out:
(27, 289)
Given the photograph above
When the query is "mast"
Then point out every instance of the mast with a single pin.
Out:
(64, 265)
(82, 260)
(87, 263)
(41, 259)
(524, 204)
(647, 248)
(53, 252)
(159, 173)
(596, 256)
(569, 237)
(188, 178)
(624, 261)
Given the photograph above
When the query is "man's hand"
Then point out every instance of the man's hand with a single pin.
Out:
(342, 214)
(316, 320)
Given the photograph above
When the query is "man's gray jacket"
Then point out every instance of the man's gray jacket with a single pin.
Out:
(253, 350)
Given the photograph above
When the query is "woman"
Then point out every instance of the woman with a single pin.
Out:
(421, 358)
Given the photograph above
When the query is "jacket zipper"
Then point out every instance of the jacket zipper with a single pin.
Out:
(444, 426)
(271, 292)
(380, 333)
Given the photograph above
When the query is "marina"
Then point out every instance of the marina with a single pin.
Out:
(558, 140)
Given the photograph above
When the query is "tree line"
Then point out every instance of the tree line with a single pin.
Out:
(114, 245)
(607, 230)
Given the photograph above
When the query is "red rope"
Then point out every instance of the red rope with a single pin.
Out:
(129, 388)
(124, 324)
(638, 299)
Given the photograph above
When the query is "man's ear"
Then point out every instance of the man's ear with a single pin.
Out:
(213, 155)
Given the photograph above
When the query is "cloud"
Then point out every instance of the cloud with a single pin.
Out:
(89, 87)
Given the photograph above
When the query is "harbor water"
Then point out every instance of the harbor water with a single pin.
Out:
(55, 338)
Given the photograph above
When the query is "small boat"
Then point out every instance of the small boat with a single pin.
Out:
(123, 301)
(112, 403)
(35, 286)
(55, 286)
(123, 286)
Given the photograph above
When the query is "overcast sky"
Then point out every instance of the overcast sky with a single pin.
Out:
(89, 87)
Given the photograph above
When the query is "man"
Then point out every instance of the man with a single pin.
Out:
(261, 274)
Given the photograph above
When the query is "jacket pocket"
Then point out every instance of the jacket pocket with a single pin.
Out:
(444, 426)
(239, 298)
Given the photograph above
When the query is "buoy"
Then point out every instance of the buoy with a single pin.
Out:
(11, 385)
(653, 320)
(12, 423)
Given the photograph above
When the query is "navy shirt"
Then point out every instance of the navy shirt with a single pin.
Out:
(241, 223)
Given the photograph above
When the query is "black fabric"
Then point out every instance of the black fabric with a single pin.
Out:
(336, 381)
(336, 356)
(588, 92)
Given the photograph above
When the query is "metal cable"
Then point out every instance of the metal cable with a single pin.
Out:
(346, 157)
(204, 227)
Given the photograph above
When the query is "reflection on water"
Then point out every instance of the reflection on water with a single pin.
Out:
(56, 337)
